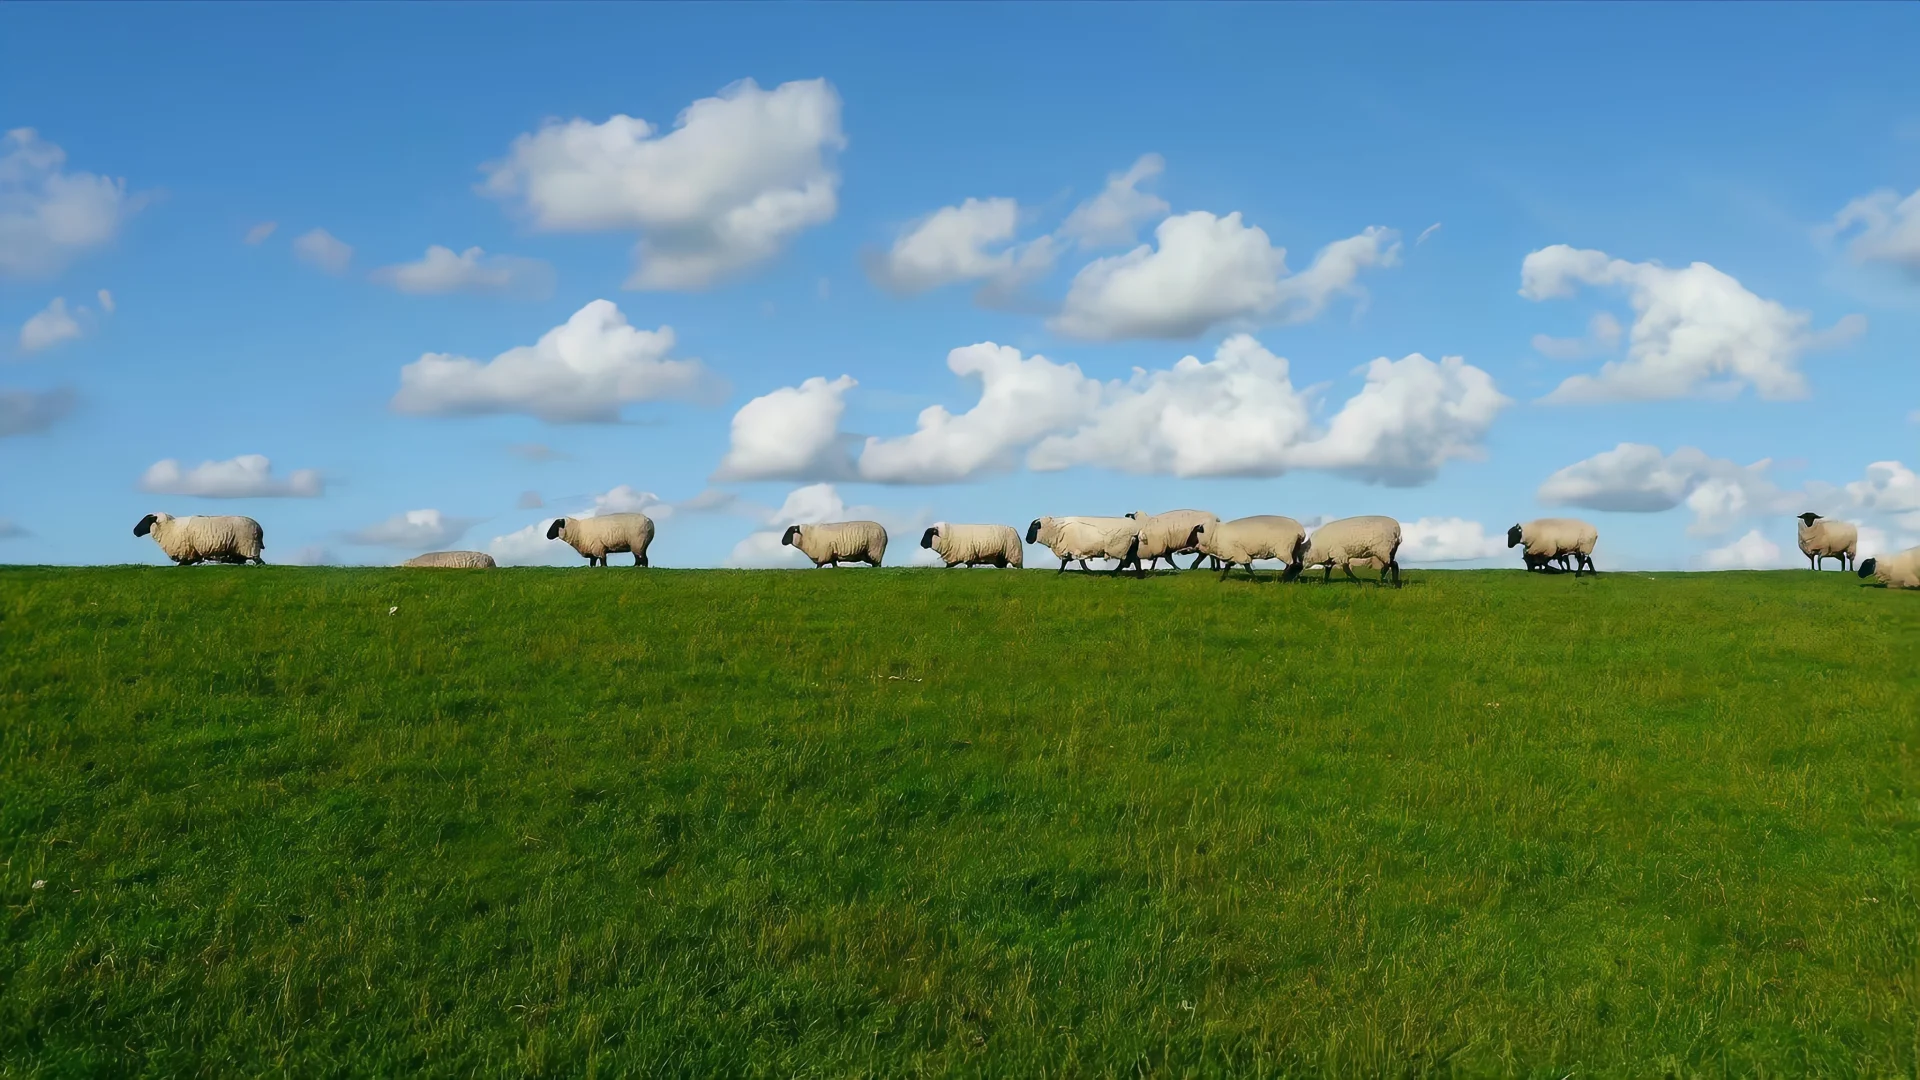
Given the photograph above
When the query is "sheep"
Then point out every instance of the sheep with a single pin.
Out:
(832, 543)
(465, 560)
(1824, 538)
(1242, 540)
(190, 540)
(1082, 538)
(1899, 571)
(1551, 539)
(1374, 541)
(597, 537)
(1162, 536)
(973, 545)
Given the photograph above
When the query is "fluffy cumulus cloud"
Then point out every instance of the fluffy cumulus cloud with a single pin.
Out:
(1638, 478)
(1883, 227)
(792, 433)
(259, 233)
(24, 412)
(1115, 215)
(736, 179)
(49, 216)
(1021, 400)
(1204, 270)
(1752, 551)
(320, 248)
(249, 476)
(415, 530)
(469, 271)
(584, 370)
(1696, 330)
(969, 242)
(1889, 488)
(1446, 540)
(49, 327)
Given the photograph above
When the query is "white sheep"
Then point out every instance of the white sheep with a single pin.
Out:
(1082, 538)
(1556, 539)
(597, 537)
(974, 545)
(1824, 538)
(1241, 541)
(1897, 571)
(458, 560)
(1371, 541)
(840, 541)
(189, 540)
(1162, 536)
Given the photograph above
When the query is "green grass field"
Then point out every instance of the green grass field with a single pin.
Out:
(899, 822)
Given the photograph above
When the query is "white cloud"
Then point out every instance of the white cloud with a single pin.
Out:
(1208, 270)
(49, 327)
(413, 530)
(1889, 488)
(1020, 401)
(106, 301)
(260, 232)
(951, 244)
(1751, 552)
(1115, 215)
(1638, 478)
(470, 271)
(530, 547)
(791, 434)
(1603, 335)
(23, 412)
(49, 217)
(625, 499)
(1438, 540)
(1696, 331)
(322, 249)
(737, 178)
(1426, 232)
(249, 476)
(1888, 228)
(584, 370)
(1412, 417)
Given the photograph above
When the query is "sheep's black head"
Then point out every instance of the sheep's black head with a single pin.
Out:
(145, 526)
(1033, 532)
(926, 538)
(1193, 538)
(1866, 568)
(553, 530)
(1513, 536)
(1809, 518)
(1135, 514)
(786, 538)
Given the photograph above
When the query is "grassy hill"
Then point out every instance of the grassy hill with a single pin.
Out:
(904, 821)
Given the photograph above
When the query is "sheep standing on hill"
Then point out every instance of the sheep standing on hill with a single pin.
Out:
(1370, 541)
(597, 537)
(453, 560)
(190, 540)
(837, 542)
(974, 545)
(1081, 538)
(1898, 571)
(1240, 541)
(1824, 538)
(1555, 539)
(1162, 536)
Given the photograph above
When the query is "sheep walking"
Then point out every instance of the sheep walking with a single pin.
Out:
(1897, 571)
(1368, 541)
(1077, 539)
(1547, 540)
(191, 540)
(598, 537)
(1162, 536)
(1241, 541)
(1824, 538)
(974, 545)
(453, 560)
(836, 542)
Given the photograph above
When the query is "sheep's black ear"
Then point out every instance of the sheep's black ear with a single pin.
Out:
(1866, 569)
(926, 538)
(1809, 518)
(553, 530)
(145, 526)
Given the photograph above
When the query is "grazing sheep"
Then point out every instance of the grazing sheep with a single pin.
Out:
(1373, 541)
(461, 560)
(837, 542)
(190, 540)
(1082, 538)
(1554, 539)
(1162, 536)
(1824, 538)
(974, 545)
(1898, 571)
(1240, 541)
(597, 537)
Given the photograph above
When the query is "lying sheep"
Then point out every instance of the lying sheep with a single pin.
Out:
(1371, 541)
(190, 540)
(1824, 538)
(974, 545)
(461, 560)
(837, 542)
(1899, 571)
(1162, 536)
(1555, 539)
(1082, 538)
(598, 537)
(1240, 541)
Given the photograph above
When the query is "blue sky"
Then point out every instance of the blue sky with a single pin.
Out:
(1675, 249)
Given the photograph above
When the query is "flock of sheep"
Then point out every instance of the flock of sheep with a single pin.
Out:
(1138, 540)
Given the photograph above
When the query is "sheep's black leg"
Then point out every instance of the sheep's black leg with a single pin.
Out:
(1393, 565)
(639, 559)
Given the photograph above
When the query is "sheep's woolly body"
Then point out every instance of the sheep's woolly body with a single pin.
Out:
(1367, 541)
(1545, 539)
(840, 541)
(597, 537)
(1898, 571)
(974, 545)
(1264, 536)
(190, 540)
(1162, 536)
(1083, 538)
(459, 560)
(1826, 538)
